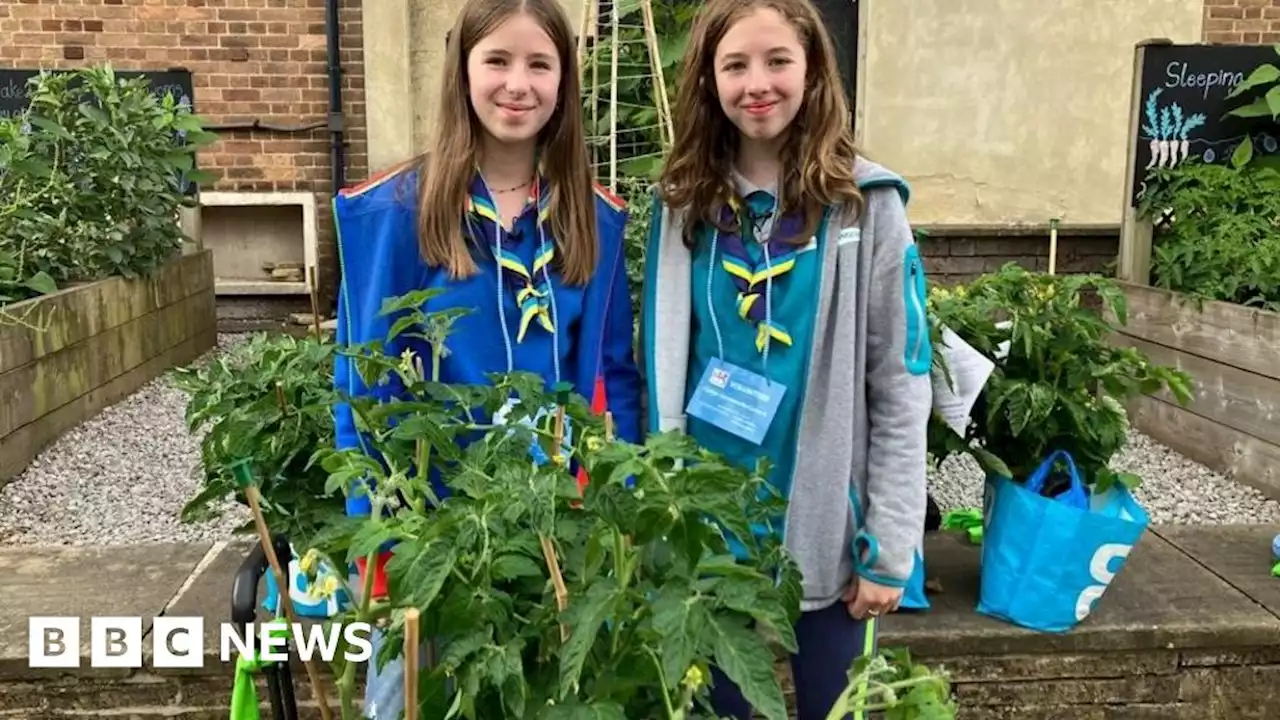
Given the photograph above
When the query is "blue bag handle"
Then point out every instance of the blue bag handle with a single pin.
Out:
(1076, 496)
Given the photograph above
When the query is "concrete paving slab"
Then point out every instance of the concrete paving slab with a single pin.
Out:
(1162, 599)
(1239, 554)
(208, 596)
(82, 582)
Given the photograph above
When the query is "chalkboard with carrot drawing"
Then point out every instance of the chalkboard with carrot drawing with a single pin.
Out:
(1186, 97)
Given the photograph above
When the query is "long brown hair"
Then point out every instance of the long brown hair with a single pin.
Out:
(447, 170)
(819, 152)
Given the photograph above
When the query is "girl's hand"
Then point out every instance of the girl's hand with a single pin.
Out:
(864, 598)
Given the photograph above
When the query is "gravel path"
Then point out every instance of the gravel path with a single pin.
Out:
(123, 477)
(119, 478)
(1175, 489)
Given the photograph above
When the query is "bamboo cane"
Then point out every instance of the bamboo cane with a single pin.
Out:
(613, 100)
(1053, 245)
(282, 582)
(548, 548)
(315, 302)
(411, 664)
(665, 124)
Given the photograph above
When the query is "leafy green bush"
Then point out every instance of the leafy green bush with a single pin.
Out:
(91, 181)
(547, 602)
(1059, 381)
(1223, 242)
(269, 399)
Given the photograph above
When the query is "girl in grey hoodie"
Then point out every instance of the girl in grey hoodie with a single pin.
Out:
(784, 316)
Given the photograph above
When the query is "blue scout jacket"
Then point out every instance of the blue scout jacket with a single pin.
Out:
(379, 258)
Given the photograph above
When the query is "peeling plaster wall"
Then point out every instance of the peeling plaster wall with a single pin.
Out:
(1007, 112)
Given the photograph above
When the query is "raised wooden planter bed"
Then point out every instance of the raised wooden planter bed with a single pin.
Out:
(99, 342)
(1233, 355)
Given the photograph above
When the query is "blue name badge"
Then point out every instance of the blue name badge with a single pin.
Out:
(736, 400)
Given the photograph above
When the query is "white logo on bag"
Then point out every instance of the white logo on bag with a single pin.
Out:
(1100, 571)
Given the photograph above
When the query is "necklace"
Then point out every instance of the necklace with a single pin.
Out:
(513, 188)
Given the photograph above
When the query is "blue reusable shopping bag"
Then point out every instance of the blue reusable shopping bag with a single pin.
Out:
(913, 596)
(1047, 561)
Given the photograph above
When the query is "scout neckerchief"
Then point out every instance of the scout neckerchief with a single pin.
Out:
(752, 278)
(532, 285)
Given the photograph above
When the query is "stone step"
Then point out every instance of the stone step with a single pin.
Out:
(1189, 629)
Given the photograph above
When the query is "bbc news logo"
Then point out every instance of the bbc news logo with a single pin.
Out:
(178, 642)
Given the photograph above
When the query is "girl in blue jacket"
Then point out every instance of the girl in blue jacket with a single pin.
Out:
(789, 263)
(502, 215)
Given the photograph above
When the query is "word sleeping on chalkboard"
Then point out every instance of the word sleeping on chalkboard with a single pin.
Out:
(1184, 91)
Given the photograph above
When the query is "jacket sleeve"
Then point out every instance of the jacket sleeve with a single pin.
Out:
(618, 362)
(368, 232)
(899, 394)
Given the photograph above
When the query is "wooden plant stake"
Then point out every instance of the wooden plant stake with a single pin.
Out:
(548, 549)
(411, 664)
(244, 478)
(315, 302)
(1053, 245)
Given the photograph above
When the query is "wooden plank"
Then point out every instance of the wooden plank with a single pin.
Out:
(1245, 338)
(1241, 400)
(1240, 456)
(19, 448)
(80, 312)
(1133, 262)
(52, 381)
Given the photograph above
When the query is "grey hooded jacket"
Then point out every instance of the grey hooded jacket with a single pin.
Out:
(857, 498)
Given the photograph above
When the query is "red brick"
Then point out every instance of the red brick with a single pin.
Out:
(251, 60)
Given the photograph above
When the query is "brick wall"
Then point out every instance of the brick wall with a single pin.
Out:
(1242, 21)
(960, 255)
(251, 60)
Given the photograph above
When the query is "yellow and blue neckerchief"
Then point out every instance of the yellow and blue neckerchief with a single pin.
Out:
(532, 285)
(751, 277)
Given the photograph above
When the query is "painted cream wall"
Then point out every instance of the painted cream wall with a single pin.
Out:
(1007, 112)
(404, 48)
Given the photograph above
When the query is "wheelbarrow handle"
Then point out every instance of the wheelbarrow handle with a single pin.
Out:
(244, 587)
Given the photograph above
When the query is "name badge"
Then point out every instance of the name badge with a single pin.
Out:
(736, 400)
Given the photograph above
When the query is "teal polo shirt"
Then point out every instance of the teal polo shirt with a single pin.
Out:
(793, 305)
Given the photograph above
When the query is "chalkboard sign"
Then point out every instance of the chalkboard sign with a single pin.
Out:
(1184, 106)
(14, 88)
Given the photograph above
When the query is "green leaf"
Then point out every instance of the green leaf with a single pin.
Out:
(744, 657)
(584, 616)
(51, 127)
(417, 571)
(189, 123)
(1261, 75)
(95, 114)
(1243, 153)
(41, 283)
(512, 566)
(682, 621)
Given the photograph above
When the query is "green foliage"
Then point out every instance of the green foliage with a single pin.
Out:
(638, 194)
(1224, 239)
(543, 600)
(1265, 107)
(269, 399)
(639, 141)
(1059, 381)
(89, 181)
